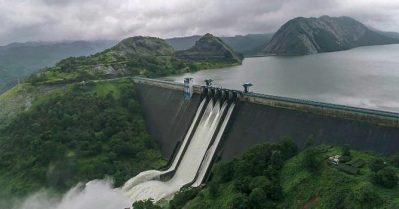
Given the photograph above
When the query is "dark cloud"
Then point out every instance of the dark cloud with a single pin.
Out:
(54, 20)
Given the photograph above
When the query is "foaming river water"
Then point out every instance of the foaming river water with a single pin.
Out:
(365, 77)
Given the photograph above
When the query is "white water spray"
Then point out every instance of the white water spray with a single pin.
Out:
(192, 160)
(97, 194)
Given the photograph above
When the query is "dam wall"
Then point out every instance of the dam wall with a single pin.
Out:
(167, 115)
(263, 118)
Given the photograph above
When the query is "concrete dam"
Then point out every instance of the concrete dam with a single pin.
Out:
(222, 124)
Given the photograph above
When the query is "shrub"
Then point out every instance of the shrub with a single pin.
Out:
(395, 160)
(240, 201)
(288, 148)
(386, 177)
(366, 197)
(183, 196)
(312, 160)
(258, 199)
(377, 165)
(145, 204)
(346, 151)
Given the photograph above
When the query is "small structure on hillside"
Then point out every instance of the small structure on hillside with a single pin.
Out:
(334, 159)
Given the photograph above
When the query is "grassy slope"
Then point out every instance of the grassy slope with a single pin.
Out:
(302, 188)
(75, 133)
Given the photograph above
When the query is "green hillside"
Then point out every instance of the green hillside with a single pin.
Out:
(19, 60)
(277, 176)
(135, 56)
(76, 133)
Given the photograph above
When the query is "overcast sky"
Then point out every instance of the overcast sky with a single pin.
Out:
(56, 20)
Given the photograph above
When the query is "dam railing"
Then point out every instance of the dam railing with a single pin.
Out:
(380, 117)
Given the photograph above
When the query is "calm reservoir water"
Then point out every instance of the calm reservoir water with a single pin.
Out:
(365, 77)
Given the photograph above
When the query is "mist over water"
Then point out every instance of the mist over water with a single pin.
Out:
(96, 194)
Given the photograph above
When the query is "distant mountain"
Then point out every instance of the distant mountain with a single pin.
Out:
(183, 43)
(246, 44)
(386, 33)
(302, 36)
(19, 60)
(210, 48)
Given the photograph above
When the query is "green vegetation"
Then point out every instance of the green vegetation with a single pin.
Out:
(251, 181)
(57, 130)
(332, 187)
(19, 60)
(136, 56)
(277, 176)
(79, 133)
(147, 204)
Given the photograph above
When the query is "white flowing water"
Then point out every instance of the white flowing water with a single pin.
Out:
(140, 188)
(155, 174)
(211, 151)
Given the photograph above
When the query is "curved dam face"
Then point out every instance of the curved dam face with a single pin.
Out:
(191, 158)
(258, 119)
(167, 115)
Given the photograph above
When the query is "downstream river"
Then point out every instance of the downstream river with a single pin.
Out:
(365, 77)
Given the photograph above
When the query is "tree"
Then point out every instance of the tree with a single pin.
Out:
(276, 160)
(377, 165)
(240, 201)
(366, 197)
(183, 196)
(145, 204)
(310, 141)
(346, 150)
(386, 177)
(312, 160)
(288, 148)
(395, 160)
(213, 190)
(224, 172)
(258, 199)
(241, 184)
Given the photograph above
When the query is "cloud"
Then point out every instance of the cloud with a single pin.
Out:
(55, 20)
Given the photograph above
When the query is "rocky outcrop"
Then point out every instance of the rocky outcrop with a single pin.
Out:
(302, 36)
(144, 46)
(210, 48)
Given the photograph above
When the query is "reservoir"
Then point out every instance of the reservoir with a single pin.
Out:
(366, 77)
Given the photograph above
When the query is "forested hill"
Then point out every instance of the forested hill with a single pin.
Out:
(280, 176)
(301, 36)
(19, 60)
(143, 56)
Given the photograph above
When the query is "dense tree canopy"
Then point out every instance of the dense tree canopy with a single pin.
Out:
(86, 132)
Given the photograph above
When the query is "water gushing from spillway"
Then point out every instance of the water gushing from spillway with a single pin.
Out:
(193, 157)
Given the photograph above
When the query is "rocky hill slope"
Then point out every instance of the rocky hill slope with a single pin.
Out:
(143, 56)
(210, 48)
(245, 44)
(302, 36)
